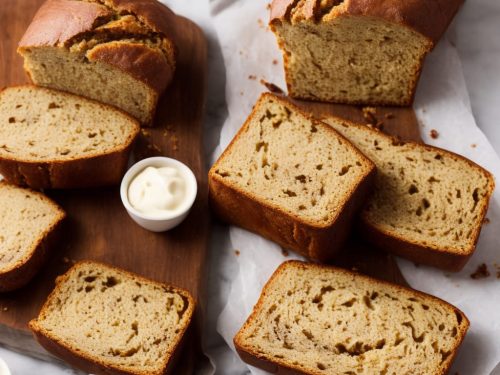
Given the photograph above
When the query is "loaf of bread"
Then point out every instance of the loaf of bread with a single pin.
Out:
(103, 320)
(118, 52)
(29, 227)
(292, 179)
(313, 319)
(429, 204)
(358, 51)
(51, 139)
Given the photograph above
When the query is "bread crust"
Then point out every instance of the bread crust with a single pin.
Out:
(26, 268)
(446, 259)
(86, 363)
(89, 171)
(58, 22)
(281, 367)
(309, 239)
(429, 18)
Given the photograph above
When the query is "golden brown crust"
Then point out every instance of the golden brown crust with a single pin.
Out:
(278, 366)
(313, 240)
(80, 360)
(446, 259)
(429, 18)
(26, 268)
(143, 63)
(59, 22)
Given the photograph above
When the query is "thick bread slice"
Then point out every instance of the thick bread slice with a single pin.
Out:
(291, 179)
(119, 52)
(429, 204)
(29, 224)
(103, 320)
(313, 319)
(51, 139)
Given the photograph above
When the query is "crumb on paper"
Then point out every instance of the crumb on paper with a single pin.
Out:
(275, 62)
(389, 115)
(473, 145)
(272, 87)
(241, 93)
(285, 252)
(261, 23)
(434, 134)
(237, 253)
(481, 272)
(268, 6)
(252, 77)
(486, 221)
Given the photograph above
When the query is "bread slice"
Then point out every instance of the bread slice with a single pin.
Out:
(313, 319)
(119, 52)
(103, 320)
(291, 179)
(51, 139)
(29, 225)
(357, 51)
(429, 204)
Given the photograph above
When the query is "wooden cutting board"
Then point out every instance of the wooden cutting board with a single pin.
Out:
(98, 226)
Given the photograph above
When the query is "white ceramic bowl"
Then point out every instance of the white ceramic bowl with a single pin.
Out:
(170, 220)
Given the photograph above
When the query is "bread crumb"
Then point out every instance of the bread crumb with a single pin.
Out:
(261, 23)
(5, 308)
(285, 252)
(272, 87)
(145, 132)
(481, 272)
(473, 145)
(389, 115)
(486, 221)
(175, 142)
(369, 114)
(252, 77)
(354, 269)
(237, 253)
(268, 6)
(434, 134)
(275, 62)
(241, 93)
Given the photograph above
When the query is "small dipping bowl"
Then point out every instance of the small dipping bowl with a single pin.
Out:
(169, 220)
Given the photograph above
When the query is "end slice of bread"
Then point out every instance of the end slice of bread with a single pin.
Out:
(52, 139)
(291, 179)
(108, 321)
(429, 204)
(313, 319)
(29, 224)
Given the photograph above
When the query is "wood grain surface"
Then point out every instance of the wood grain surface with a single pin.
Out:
(98, 226)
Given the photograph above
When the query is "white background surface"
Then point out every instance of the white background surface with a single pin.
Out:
(477, 37)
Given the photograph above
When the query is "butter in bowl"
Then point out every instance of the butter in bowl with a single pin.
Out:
(158, 193)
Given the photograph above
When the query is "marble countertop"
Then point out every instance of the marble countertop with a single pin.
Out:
(476, 32)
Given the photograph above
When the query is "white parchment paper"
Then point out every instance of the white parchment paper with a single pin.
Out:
(442, 103)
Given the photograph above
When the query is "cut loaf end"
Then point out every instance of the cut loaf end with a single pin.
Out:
(107, 321)
(290, 178)
(313, 319)
(29, 224)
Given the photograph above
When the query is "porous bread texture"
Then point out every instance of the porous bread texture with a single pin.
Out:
(343, 58)
(115, 319)
(27, 218)
(96, 63)
(37, 124)
(291, 179)
(52, 139)
(323, 320)
(423, 195)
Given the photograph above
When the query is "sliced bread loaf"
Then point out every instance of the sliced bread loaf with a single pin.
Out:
(291, 179)
(313, 319)
(51, 139)
(29, 224)
(118, 52)
(428, 205)
(103, 320)
(358, 51)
